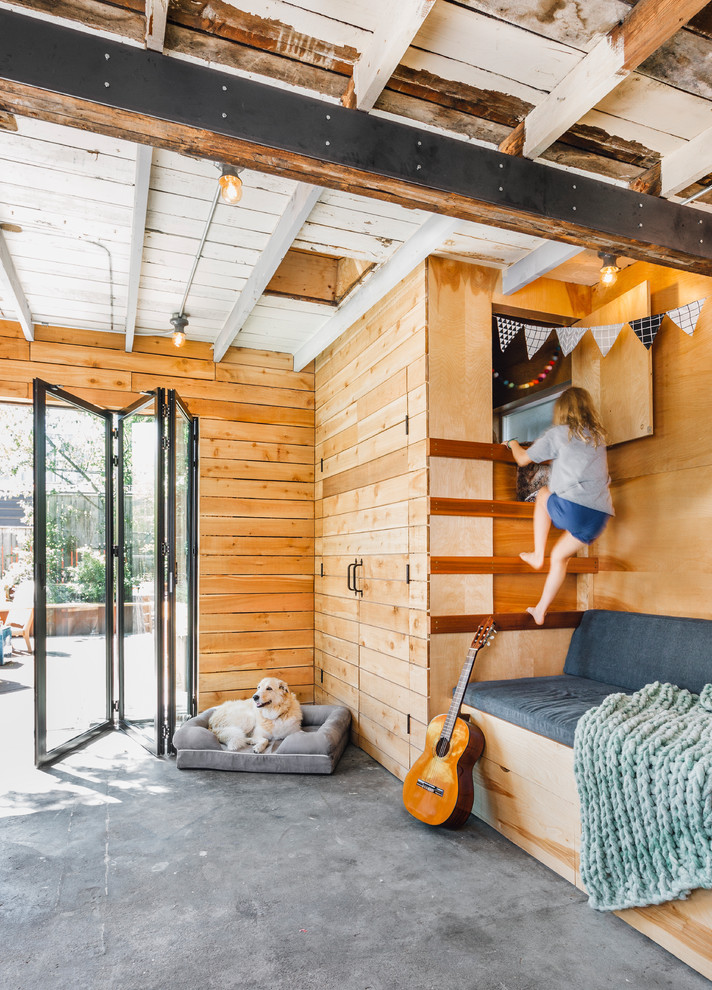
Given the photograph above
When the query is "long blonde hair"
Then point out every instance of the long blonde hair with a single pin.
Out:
(574, 408)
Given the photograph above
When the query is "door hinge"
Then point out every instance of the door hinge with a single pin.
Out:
(114, 433)
(115, 706)
(165, 443)
(115, 460)
(115, 551)
(164, 731)
(165, 410)
(164, 549)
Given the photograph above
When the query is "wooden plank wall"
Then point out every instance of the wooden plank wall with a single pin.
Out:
(256, 486)
(371, 505)
(654, 556)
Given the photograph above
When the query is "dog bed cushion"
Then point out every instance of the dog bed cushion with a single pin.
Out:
(317, 748)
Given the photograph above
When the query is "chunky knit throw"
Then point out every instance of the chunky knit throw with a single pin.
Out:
(643, 765)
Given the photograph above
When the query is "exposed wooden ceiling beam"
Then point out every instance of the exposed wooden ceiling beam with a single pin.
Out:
(424, 241)
(649, 24)
(144, 155)
(156, 20)
(388, 45)
(537, 263)
(10, 283)
(290, 223)
(59, 74)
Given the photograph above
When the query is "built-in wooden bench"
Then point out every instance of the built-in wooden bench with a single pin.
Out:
(525, 788)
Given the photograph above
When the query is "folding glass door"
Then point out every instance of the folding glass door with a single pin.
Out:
(115, 555)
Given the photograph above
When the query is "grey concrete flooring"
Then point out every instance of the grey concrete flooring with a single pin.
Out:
(119, 871)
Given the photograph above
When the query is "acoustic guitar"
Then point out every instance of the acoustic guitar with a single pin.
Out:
(438, 788)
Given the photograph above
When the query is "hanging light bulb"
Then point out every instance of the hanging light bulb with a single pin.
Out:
(179, 323)
(230, 184)
(609, 268)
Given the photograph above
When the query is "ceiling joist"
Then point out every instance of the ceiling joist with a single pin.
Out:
(427, 239)
(382, 57)
(10, 282)
(290, 223)
(535, 264)
(144, 155)
(649, 24)
(60, 74)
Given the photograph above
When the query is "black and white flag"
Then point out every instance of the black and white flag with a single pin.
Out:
(686, 317)
(507, 330)
(646, 328)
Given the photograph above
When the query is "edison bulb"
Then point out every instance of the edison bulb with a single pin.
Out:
(230, 188)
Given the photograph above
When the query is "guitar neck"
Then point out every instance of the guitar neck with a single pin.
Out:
(459, 694)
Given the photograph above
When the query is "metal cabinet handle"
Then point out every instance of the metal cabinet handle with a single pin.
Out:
(352, 587)
(357, 563)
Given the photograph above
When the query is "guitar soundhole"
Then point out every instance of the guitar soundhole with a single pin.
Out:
(442, 746)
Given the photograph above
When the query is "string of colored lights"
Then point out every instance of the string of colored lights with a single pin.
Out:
(542, 376)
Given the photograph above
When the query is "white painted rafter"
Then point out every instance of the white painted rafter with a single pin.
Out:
(424, 242)
(10, 282)
(649, 25)
(538, 262)
(156, 18)
(302, 202)
(144, 155)
(680, 168)
(385, 50)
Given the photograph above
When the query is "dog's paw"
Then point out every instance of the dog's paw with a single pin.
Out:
(260, 746)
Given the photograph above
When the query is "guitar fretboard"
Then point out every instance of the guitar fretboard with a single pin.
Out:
(456, 705)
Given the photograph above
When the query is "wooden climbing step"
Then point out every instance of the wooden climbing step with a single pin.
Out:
(503, 621)
(470, 450)
(505, 565)
(490, 508)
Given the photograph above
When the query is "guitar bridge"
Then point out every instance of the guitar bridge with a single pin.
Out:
(427, 786)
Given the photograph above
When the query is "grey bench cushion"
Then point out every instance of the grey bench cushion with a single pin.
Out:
(316, 749)
(550, 706)
(631, 650)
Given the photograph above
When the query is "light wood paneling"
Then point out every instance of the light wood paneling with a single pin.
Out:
(621, 383)
(371, 506)
(256, 487)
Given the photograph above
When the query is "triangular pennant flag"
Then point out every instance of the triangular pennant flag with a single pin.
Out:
(535, 337)
(606, 336)
(646, 328)
(569, 337)
(507, 330)
(686, 317)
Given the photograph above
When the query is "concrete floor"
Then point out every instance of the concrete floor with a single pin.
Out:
(120, 871)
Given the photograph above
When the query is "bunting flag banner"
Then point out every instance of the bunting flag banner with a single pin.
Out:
(569, 337)
(535, 337)
(507, 330)
(606, 336)
(686, 317)
(646, 328)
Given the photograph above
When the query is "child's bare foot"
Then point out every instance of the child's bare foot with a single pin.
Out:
(531, 558)
(537, 615)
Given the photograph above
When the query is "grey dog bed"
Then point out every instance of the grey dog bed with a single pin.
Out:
(317, 748)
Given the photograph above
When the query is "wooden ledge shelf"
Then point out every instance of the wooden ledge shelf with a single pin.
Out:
(504, 565)
(504, 622)
(470, 450)
(481, 507)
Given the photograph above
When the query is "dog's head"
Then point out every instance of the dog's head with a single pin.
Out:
(270, 693)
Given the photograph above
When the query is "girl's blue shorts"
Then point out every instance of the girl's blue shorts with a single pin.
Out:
(583, 523)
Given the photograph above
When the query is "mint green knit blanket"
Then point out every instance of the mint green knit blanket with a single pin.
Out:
(643, 766)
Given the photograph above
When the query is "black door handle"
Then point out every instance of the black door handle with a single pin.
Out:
(357, 563)
(352, 587)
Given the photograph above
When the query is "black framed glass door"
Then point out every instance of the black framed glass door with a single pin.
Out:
(73, 571)
(139, 525)
(142, 585)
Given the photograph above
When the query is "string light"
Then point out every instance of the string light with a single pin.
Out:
(541, 377)
(609, 267)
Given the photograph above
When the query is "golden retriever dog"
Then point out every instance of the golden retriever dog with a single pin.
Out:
(273, 712)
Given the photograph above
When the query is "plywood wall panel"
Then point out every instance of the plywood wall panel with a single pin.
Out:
(256, 414)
